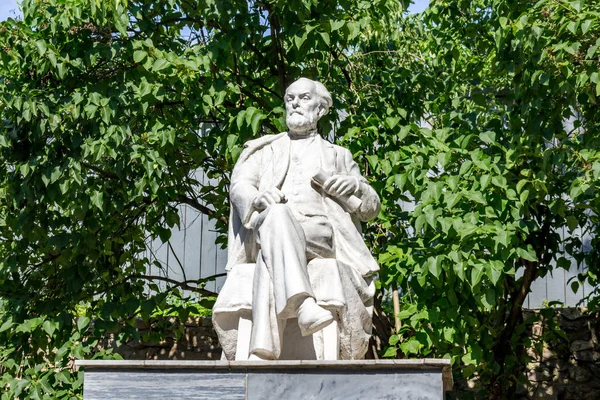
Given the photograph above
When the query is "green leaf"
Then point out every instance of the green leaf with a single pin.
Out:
(49, 327)
(231, 141)
(524, 196)
(390, 352)
(29, 325)
(485, 181)
(335, 25)
(41, 46)
(159, 64)
(502, 237)
(63, 376)
(576, 190)
(353, 30)
(404, 314)
(459, 270)
(145, 88)
(139, 56)
(400, 180)
(412, 346)
(373, 161)
(164, 234)
(476, 274)
(520, 185)
(255, 125)
(499, 181)
(527, 254)
(572, 223)
(494, 272)
(82, 323)
(7, 324)
(585, 27)
(466, 165)
(448, 333)
(392, 121)
(239, 119)
(299, 40)
(575, 286)
(434, 265)
(488, 137)
(250, 111)
(61, 70)
(121, 22)
(563, 263)
(3, 141)
(97, 199)
(404, 131)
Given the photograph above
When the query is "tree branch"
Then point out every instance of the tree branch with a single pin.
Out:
(200, 207)
(99, 171)
(185, 285)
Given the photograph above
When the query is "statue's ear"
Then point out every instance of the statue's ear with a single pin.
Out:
(322, 110)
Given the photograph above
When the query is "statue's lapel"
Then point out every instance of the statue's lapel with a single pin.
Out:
(327, 156)
(281, 160)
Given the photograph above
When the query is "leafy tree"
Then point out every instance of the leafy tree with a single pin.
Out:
(102, 108)
(102, 104)
(495, 175)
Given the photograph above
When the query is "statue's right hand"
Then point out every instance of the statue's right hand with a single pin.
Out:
(267, 198)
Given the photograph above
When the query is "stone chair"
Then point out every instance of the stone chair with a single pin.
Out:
(232, 314)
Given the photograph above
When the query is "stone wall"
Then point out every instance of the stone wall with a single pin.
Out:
(566, 367)
(193, 340)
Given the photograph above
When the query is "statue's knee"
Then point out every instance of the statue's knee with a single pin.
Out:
(278, 216)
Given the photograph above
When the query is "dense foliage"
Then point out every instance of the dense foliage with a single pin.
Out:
(102, 105)
(510, 157)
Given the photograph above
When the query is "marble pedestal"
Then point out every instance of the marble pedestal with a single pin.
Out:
(425, 379)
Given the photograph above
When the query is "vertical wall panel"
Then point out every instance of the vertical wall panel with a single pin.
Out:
(538, 293)
(193, 239)
(221, 264)
(555, 285)
(176, 250)
(161, 255)
(208, 252)
(587, 246)
(573, 299)
(191, 252)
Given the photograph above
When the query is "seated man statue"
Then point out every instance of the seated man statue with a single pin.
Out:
(295, 248)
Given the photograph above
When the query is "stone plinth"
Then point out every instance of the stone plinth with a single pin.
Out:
(250, 380)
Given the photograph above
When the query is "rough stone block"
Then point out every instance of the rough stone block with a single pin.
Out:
(587, 355)
(579, 345)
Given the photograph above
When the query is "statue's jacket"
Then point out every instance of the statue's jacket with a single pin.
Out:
(263, 165)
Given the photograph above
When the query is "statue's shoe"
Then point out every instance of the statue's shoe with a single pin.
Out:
(312, 317)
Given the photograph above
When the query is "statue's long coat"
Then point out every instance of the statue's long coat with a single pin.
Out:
(262, 165)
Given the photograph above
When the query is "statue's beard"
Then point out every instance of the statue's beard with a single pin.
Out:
(300, 123)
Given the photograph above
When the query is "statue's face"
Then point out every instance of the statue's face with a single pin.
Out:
(303, 106)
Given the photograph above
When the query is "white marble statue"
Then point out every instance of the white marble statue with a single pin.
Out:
(297, 259)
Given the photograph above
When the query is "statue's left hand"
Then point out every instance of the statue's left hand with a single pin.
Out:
(341, 185)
